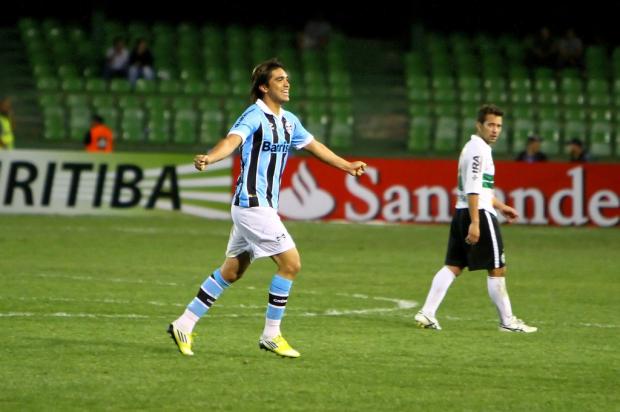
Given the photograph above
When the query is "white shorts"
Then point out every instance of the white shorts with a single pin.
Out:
(259, 231)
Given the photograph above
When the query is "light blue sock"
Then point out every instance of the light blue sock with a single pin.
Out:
(209, 291)
(278, 296)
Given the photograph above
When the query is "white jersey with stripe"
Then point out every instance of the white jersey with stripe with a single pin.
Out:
(476, 174)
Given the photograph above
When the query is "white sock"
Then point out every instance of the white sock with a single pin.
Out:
(441, 282)
(499, 296)
(272, 328)
(186, 322)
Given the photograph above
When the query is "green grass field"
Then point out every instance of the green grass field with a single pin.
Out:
(85, 301)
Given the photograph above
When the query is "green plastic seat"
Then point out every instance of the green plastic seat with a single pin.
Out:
(446, 136)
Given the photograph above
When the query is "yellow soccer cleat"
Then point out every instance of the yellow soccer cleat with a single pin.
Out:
(183, 340)
(279, 346)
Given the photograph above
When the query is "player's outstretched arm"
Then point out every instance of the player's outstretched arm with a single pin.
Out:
(323, 153)
(221, 150)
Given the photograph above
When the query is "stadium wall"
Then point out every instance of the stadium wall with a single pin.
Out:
(393, 190)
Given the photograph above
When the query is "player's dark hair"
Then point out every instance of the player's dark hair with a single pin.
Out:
(488, 109)
(261, 75)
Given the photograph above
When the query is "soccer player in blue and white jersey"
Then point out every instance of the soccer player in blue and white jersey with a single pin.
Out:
(475, 241)
(264, 135)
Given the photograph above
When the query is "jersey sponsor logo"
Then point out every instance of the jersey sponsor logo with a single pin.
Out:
(275, 147)
(304, 199)
(475, 166)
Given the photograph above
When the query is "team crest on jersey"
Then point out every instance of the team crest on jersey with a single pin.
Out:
(289, 128)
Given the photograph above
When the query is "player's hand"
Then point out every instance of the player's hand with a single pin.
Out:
(357, 168)
(473, 234)
(510, 214)
(201, 161)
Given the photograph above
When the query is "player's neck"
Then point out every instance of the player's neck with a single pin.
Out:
(272, 105)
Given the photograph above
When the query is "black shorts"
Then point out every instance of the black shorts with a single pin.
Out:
(488, 253)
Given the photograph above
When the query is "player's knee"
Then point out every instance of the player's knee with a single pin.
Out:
(231, 275)
(291, 267)
(499, 272)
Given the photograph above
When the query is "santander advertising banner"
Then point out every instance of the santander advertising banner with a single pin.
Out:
(407, 190)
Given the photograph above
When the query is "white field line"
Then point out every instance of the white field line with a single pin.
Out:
(329, 312)
(112, 280)
(400, 304)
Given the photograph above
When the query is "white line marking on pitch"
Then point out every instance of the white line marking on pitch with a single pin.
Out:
(113, 280)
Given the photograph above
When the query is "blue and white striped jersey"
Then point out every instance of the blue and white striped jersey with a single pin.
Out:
(267, 139)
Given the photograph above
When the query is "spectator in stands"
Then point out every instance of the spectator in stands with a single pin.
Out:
(116, 60)
(543, 49)
(6, 124)
(570, 50)
(141, 62)
(577, 151)
(532, 152)
(99, 138)
(316, 33)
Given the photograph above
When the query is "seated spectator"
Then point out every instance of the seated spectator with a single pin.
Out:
(99, 138)
(532, 151)
(577, 151)
(141, 63)
(570, 50)
(543, 49)
(117, 59)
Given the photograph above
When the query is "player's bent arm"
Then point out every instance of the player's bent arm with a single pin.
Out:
(508, 212)
(498, 204)
(473, 232)
(472, 205)
(326, 155)
(221, 150)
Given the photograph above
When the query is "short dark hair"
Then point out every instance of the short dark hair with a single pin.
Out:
(488, 109)
(97, 118)
(261, 75)
(576, 141)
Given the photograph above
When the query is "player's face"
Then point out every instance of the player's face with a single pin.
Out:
(490, 129)
(278, 86)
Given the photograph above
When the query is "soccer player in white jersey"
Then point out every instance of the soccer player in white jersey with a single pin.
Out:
(475, 241)
(264, 134)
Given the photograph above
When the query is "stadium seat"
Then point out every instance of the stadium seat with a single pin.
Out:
(54, 123)
(132, 124)
(341, 127)
(420, 132)
(158, 125)
(521, 130)
(79, 122)
(120, 86)
(185, 126)
(550, 131)
(601, 138)
(144, 86)
(446, 136)
(575, 129)
(95, 85)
